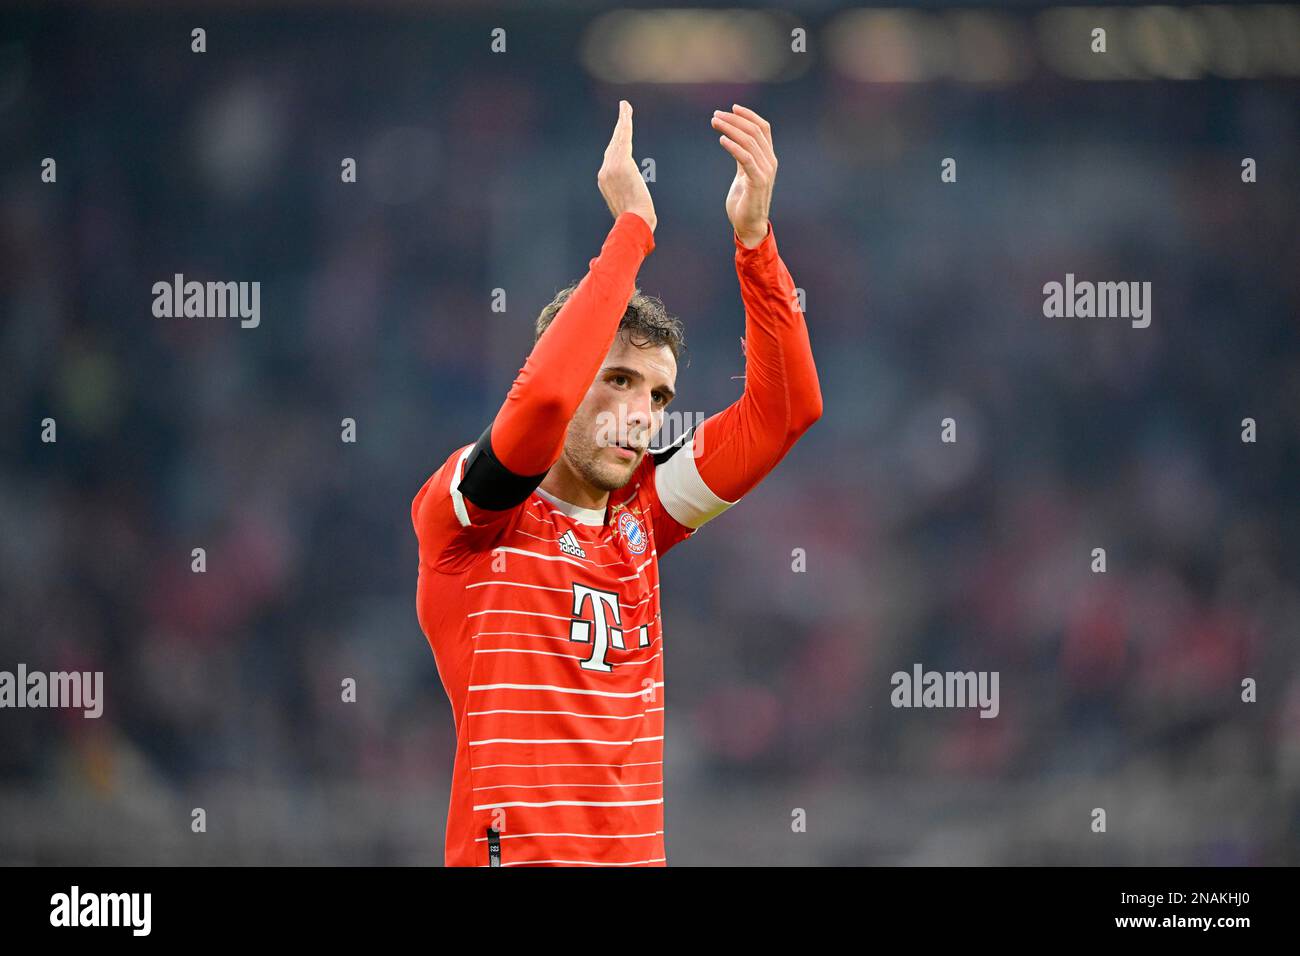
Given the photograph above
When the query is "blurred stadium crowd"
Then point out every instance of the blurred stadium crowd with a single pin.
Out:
(1119, 690)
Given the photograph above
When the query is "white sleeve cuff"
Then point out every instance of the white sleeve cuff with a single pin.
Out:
(683, 493)
(457, 499)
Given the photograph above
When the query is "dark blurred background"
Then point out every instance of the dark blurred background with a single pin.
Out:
(476, 171)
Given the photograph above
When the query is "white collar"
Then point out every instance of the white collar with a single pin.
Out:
(594, 516)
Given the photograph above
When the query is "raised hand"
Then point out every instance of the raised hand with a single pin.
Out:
(748, 138)
(619, 178)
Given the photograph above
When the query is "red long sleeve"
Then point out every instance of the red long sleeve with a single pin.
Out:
(528, 431)
(782, 397)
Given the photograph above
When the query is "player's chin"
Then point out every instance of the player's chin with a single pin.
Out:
(617, 469)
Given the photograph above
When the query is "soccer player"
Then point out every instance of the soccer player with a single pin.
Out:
(539, 543)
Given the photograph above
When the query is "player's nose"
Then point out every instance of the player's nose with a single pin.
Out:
(639, 417)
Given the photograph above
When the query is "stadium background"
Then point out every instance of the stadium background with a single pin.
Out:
(476, 172)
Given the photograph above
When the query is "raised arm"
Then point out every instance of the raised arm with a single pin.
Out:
(480, 484)
(735, 448)
(738, 446)
(527, 435)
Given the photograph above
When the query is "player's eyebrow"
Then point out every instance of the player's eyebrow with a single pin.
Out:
(634, 374)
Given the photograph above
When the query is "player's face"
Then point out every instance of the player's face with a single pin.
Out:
(623, 410)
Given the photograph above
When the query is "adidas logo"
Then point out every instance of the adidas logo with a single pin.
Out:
(569, 545)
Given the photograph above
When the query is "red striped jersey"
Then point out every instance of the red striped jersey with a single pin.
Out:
(545, 623)
(544, 617)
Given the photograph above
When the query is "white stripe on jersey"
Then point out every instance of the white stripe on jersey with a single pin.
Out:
(563, 740)
(553, 637)
(521, 650)
(643, 763)
(658, 859)
(576, 657)
(544, 786)
(567, 713)
(627, 663)
(593, 836)
(517, 584)
(572, 657)
(549, 637)
(543, 587)
(551, 540)
(571, 803)
(563, 690)
(509, 610)
(555, 557)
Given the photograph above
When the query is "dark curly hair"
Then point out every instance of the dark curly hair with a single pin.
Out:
(646, 321)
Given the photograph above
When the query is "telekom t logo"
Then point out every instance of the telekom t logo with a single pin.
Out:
(580, 628)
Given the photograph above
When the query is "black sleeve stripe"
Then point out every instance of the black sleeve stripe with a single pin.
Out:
(489, 484)
(661, 455)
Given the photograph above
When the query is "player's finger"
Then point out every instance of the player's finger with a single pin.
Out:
(743, 140)
(742, 156)
(620, 127)
(749, 114)
(622, 137)
(756, 143)
(744, 123)
(737, 133)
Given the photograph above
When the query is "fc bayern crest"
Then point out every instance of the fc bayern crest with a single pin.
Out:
(632, 532)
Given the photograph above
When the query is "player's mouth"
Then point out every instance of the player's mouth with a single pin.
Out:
(626, 450)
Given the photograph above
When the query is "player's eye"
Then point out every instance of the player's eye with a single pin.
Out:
(618, 378)
(661, 398)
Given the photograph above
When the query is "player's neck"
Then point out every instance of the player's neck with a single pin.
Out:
(563, 483)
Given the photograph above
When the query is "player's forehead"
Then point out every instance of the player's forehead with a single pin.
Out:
(655, 362)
